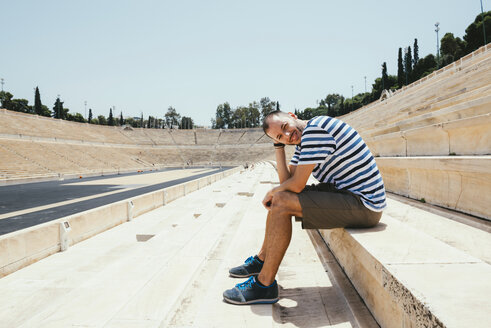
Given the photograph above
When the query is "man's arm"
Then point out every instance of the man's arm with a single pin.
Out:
(284, 172)
(295, 183)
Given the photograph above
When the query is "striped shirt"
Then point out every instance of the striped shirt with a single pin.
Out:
(342, 158)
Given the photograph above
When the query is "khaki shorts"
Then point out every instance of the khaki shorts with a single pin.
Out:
(325, 207)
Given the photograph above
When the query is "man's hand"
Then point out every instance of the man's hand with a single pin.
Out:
(268, 199)
(295, 184)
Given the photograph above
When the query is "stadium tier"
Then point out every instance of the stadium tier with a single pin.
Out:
(432, 139)
(426, 264)
(56, 147)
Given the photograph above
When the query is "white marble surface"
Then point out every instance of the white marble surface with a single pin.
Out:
(176, 278)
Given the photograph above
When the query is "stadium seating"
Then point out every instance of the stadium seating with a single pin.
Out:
(58, 147)
(432, 139)
(432, 142)
(422, 266)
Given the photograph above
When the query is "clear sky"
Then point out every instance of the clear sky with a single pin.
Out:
(144, 56)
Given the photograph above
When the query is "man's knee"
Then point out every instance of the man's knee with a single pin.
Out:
(282, 201)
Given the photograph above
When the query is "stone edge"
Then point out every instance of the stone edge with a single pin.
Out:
(24, 247)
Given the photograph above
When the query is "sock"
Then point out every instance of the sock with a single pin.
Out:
(256, 278)
(258, 282)
(257, 259)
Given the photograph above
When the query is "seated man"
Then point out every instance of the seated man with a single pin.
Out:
(350, 194)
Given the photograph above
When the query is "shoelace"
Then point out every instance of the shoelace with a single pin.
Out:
(249, 260)
(246, 284)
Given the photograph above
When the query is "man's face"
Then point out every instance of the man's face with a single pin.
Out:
(285, 129)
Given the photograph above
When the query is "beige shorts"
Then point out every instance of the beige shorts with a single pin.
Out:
(325, 207)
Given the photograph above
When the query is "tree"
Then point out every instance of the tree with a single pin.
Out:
(141, 121)
(415, 52)
(58, 109)
(121, 120)
(77, 117)
(187, 123)
(253, 114)
(376, 90)
(223, 117)
(400, 70)
(227, 115)
(90, 115)
(219, 121)
(267, 106)
(451, 48)
(6, 99)
(385, 77)
(38, 107)
(172, 118)
(240, 117)
(424, 67)
(408, 65)
(330, 105)
(102, 120)
(110, 119)
(474, 34)
(45, 111)
(21, 105)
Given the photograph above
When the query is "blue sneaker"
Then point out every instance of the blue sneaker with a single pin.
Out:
(252, 266)
(250, 292)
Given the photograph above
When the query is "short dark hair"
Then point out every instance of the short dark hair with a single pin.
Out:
(271, 114)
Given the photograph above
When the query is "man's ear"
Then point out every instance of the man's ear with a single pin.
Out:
(292, 115)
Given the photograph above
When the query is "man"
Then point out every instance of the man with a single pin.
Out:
(350, 194)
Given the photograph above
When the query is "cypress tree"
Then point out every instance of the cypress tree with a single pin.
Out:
(58, 109)
(38, 106)
(415, 52)
(400, 69)
(408, 68)
(385, 77)
(90, 115)
(121, 120)
(141, 121)
(110, 119)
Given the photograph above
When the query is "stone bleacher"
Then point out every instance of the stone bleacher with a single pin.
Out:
(424, 266)
(415, 269)
(432, 139)
(59, 148)
(169, 268)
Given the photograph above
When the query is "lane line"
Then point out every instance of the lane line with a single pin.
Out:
(172, 175)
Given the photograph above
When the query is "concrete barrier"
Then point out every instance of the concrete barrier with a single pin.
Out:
(459, 183)
(21, 248)
(469, 136)
(409, 279)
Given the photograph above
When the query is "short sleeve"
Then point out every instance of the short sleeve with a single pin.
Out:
(296, 155)
(316, 145)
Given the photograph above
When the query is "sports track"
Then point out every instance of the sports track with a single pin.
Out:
(27, 205)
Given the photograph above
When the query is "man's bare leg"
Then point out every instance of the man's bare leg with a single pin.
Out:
(262, 252)
(278, 233)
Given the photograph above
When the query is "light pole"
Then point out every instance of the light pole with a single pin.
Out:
(2, 82)
(365, 84)
(483, 28)
(437, 43)
(85, 104)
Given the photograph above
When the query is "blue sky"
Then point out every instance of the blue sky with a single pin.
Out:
(144, 56)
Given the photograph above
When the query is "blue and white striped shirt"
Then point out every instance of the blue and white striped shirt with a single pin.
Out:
(342, 158)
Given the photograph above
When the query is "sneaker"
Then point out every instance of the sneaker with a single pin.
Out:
(250, 292)
(252, 266)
